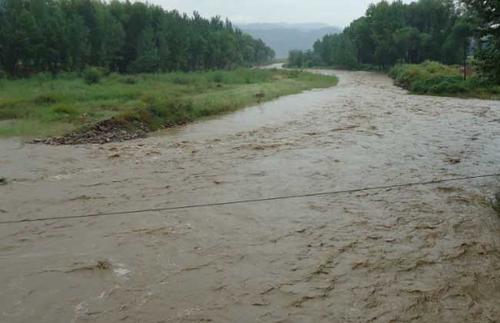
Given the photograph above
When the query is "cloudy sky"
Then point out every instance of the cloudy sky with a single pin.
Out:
(333, 12)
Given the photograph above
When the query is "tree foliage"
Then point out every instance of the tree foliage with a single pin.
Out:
(395, 32)
(488, 14)
(298, 58)
(55, 35)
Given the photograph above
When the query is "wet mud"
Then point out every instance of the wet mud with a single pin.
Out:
(408, 254)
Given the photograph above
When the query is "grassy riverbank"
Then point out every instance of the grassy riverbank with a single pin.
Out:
(437, 79)
(44, 106)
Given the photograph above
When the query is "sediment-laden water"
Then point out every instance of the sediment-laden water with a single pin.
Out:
(419, 253)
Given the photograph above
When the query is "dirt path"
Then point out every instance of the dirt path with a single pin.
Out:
(423, 253)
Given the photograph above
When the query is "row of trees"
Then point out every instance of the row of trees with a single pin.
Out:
(439, 30)
(55, 35)
(487, 13)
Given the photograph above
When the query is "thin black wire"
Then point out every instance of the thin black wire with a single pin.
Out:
(248, 201)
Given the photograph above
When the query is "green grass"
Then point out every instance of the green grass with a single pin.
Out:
(44, 106)
(437, 79)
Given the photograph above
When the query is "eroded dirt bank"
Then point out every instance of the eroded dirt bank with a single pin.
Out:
(424, 253)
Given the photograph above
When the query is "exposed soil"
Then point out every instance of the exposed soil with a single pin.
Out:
(103, 132)
(421, 253)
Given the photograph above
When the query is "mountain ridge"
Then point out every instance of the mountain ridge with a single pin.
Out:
(283, 37)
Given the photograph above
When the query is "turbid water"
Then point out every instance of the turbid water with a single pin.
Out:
(422, 253)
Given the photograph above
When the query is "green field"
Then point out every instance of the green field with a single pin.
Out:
(44, 106)
(433, 78)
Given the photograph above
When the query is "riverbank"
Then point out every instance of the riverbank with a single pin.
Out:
(118, 107)
(432, 78)
(429, 78)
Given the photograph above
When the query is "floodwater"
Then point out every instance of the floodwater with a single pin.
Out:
(427, 253)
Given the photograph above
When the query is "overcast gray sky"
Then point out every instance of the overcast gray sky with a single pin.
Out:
(333, 12)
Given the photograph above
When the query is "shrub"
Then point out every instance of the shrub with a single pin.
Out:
(171, 112)
(64, 109)
(44, 77)
(63, 112)
(218, 77)
(448, 86)
(92, 75)
(183, 80)
(293, 74)
(7, 114)
(429, 78)
(159, 113)
(129, 80)
(495, 89)
(47, 98)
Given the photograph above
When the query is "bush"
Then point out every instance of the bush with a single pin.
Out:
(48, 98)
(64, 109)
(45, 77)
(63, 112)
(92, 75)
(183, 80)
(448, 86)
(168, 112)
(429, 78)
(128, 80)
(438, 79)
(495, 89)
(218, 77)
(293, 74)
(7, 114)
(439, 85)
(159, 113)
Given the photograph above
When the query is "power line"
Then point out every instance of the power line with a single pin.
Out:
(249, 201)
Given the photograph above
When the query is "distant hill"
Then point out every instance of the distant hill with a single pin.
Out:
(284, 37)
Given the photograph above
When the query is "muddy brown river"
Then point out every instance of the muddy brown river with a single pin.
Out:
(424, 253)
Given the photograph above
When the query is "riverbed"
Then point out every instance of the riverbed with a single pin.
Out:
(219, 221)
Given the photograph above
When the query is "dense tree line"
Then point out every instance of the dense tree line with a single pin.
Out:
(487, 13)
(389, 33)
(68, 35)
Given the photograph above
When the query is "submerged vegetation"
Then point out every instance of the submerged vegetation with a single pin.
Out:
(438, 79)
(48, 106)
